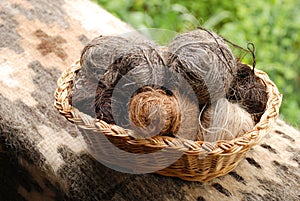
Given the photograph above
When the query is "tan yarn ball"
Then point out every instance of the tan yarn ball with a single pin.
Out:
(224, 121)
(189, 110)
(154, 112)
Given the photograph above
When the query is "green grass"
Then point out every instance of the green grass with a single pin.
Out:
(272, 25)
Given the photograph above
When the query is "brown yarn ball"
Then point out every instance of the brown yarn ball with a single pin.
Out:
(248, 91)
(224, 121)
(154, 112)
(205, 61)
(157, 111)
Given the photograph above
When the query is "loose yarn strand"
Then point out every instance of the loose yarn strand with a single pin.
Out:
(251, 48)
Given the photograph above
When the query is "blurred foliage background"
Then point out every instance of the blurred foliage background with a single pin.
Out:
(272, 25)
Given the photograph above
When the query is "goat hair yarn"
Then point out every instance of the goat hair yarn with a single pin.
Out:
(96, 57)
(248, 91)
(140, 65)
(205, 61)
(224, 121)
(100, 53)
(189, 110)
(154, 111)
(157, 111)
(154, 90)
(105, 60)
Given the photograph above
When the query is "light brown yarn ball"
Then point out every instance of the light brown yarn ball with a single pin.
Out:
(224, 121)
(189, 110)
(154, 112)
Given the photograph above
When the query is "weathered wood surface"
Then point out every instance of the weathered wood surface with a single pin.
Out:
(44, 157)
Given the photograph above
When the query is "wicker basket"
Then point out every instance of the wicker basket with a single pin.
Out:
(195, 163)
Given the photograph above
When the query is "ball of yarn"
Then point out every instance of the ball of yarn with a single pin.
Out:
(157, 111)
(205, 61)
(140, 65)
(104, 61)
(100, 53)
(224, 121)
(96, 57)
(189, 110)
(154, 112)
(248, 91)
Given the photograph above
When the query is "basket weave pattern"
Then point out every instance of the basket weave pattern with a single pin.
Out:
(195, 164)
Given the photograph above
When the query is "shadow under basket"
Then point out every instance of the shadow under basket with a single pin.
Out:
(116, 147)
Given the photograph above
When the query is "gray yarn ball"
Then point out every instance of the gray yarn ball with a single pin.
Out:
(96, 57)
(142, 64)
(205, 61)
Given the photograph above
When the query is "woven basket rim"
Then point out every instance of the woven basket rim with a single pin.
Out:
(189, 147)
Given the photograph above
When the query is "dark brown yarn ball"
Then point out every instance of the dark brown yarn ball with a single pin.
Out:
(154, 112)
(249, 91)
(205, 61)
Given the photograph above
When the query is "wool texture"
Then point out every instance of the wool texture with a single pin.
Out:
(248, 91)
(224, 121)
(205, 61)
